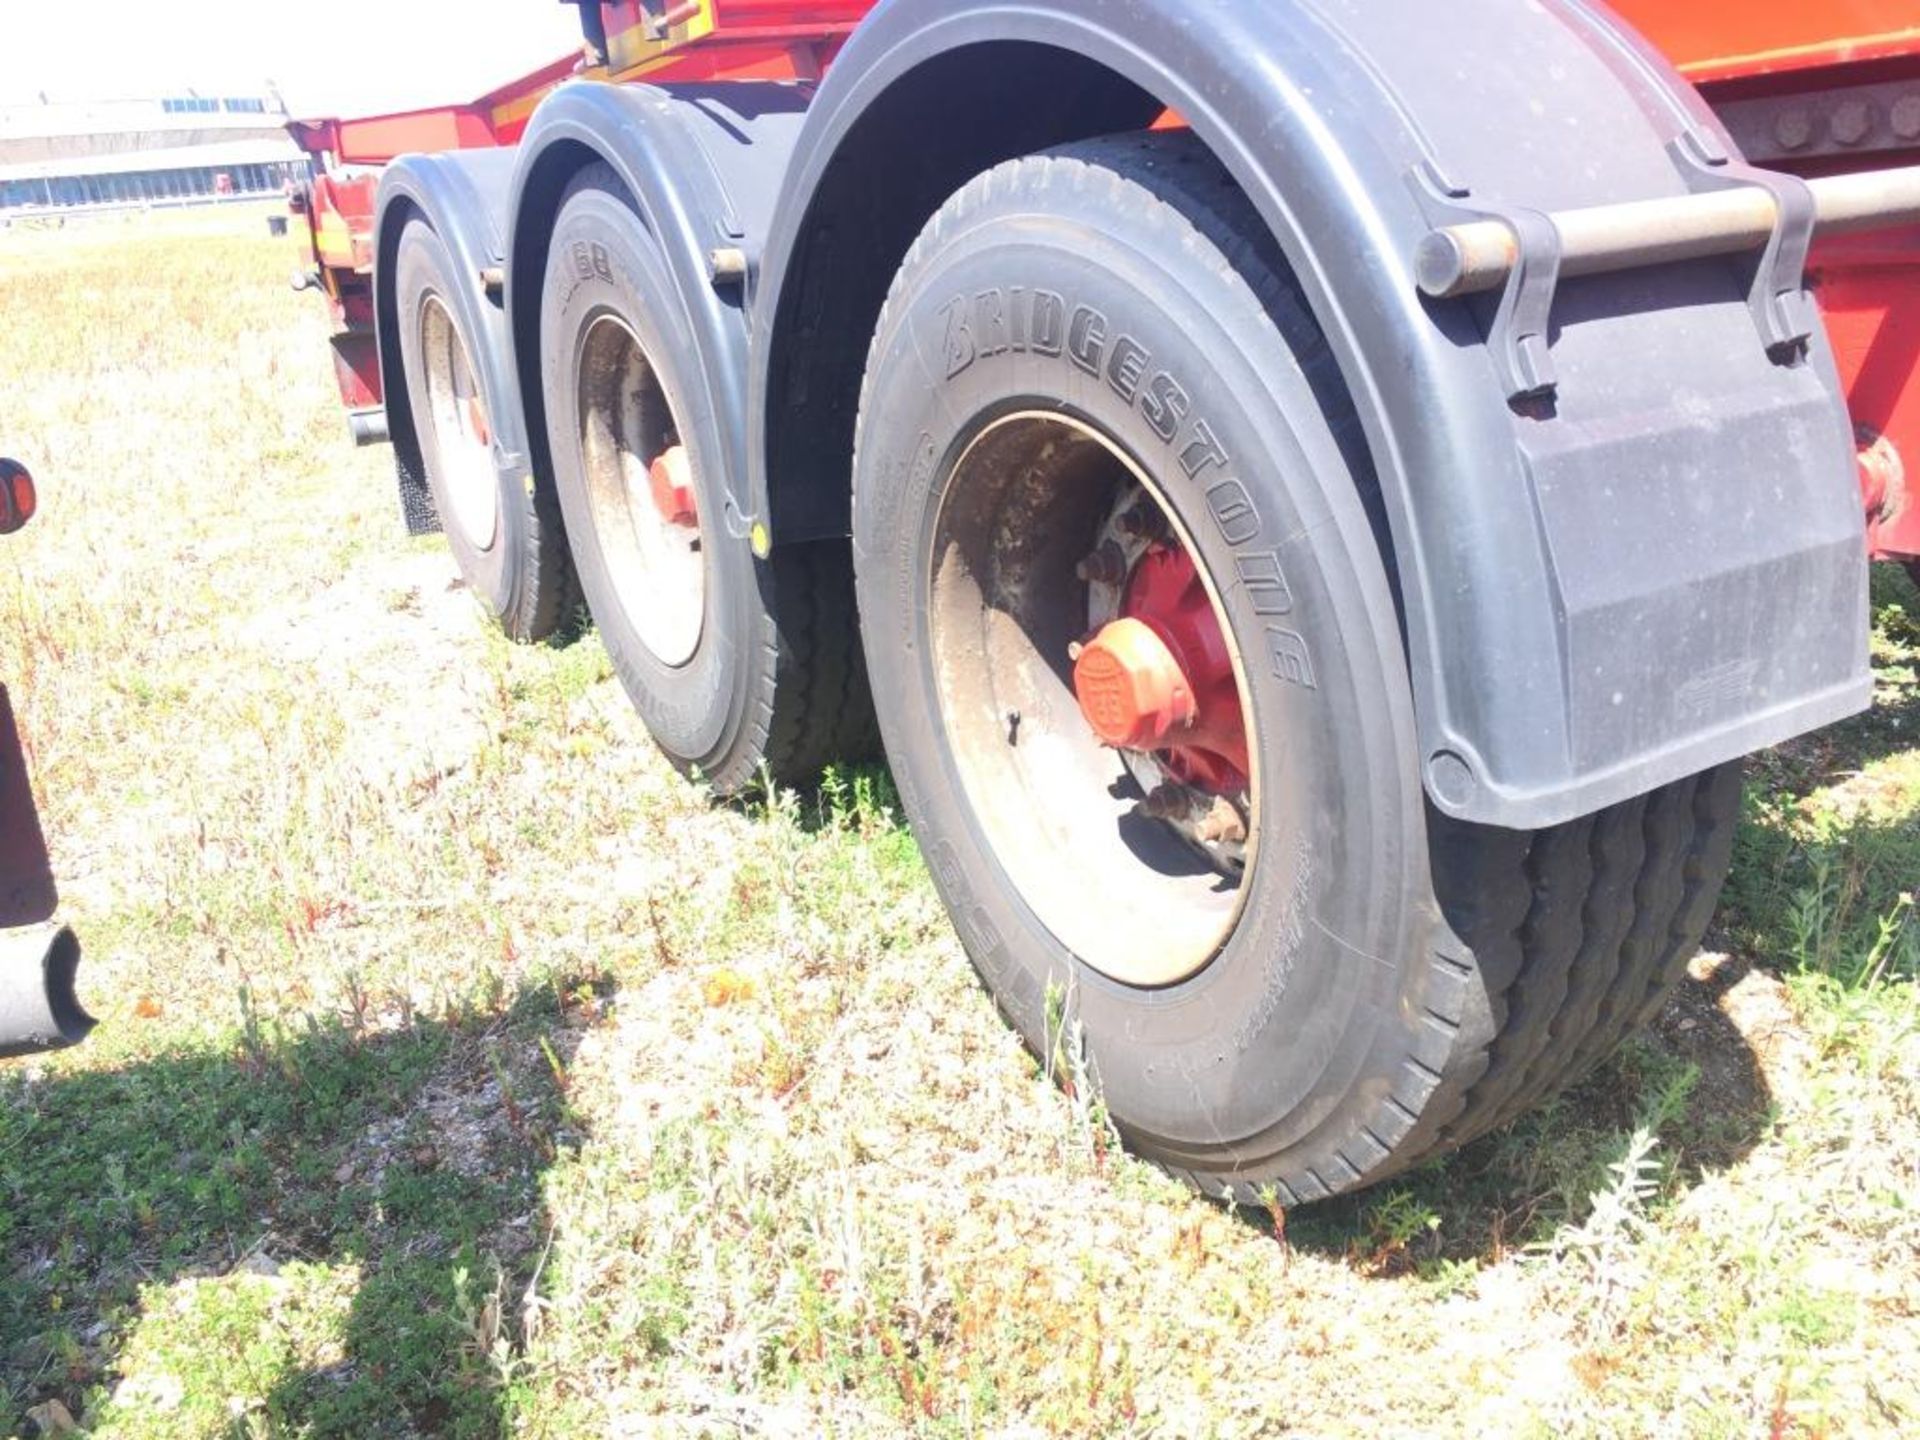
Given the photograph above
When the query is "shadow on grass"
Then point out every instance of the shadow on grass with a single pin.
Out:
(393, 1174)
(854, 796)
(1691, 1079)
(1828, 857)
(1817, 886)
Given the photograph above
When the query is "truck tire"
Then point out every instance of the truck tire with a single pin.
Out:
(1319, 980)
(739, 667)
(505, 536)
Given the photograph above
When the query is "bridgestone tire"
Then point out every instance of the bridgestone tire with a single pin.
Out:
(523, 576)
(776, 685)
(1396, 983)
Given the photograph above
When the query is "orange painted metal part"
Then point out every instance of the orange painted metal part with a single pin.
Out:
(1723, 39)
(710, 40)
(670, 478)
(1160, 678)
(476, 421)
(339, 214)
(1868, 287)
(1869, 292)
(1131, 688)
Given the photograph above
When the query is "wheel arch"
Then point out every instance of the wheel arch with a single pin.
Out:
(699, 165)
(463, 197)
(1327, 116)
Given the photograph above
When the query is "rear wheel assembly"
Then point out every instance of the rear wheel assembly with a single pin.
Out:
(504, 533)
(1140, 677)
(739, 667)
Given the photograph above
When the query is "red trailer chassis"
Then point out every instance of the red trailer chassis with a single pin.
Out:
(907, 382)
(1830, 89)
(1813, 90)
(714, 40)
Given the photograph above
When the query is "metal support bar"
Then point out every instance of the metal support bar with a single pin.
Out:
(368, 427)
(1479, 255)
(1518, 330)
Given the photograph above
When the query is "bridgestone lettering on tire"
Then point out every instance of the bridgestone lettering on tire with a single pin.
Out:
(505, 535)
(1390, 983)
(765, 677)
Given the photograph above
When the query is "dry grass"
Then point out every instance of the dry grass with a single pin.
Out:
(462, 1072)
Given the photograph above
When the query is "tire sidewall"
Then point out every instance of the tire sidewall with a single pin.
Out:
(1294, 1026)
(603, 260)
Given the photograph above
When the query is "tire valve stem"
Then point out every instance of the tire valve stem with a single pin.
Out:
(1013, 727)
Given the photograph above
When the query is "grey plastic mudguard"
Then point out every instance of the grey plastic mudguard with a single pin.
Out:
(1627, 536)
(703, 164)
(463, 195)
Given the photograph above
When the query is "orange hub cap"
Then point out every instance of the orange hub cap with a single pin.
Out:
(671, 477)
(477, 421)
(1131, 688)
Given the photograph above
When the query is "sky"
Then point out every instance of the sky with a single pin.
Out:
(334, 57)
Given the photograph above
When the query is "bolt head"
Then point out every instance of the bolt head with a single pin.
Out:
(1905, 117)
(1105, 566)
(1852, 122)
(1793, 129)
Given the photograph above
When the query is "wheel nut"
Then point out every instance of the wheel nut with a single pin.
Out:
(1852, 122)
(1105, 566)
(1793, 129)
(1144, 522)
(1906, 117)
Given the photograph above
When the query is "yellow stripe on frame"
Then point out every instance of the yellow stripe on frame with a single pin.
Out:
(634, 48)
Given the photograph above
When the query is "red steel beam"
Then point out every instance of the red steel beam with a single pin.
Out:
(1727, 39)
(1868, 287)
(1869, 291)
(709, 40)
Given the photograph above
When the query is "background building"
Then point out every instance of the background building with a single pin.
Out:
(176, 149)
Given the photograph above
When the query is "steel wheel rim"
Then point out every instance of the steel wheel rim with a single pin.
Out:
(1122, 891)
(463, 441)
(657, 565)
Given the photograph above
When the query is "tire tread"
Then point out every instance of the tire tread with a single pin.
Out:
(1552, 945)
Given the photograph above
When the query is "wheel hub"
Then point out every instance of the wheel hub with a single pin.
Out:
(1160, 680)
(640, 490)
(463, 440)
(671, 479)
(1131, 687)
(1085, 696)
(477, 426)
